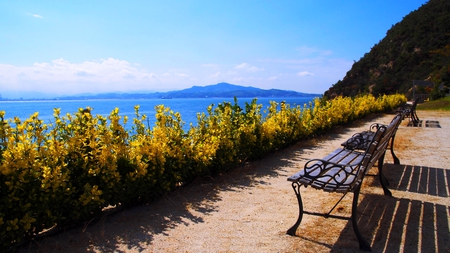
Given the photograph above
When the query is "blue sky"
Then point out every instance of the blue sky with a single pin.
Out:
(73, 47)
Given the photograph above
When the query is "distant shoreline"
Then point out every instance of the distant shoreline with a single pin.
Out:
(143, 98)
(220, 90)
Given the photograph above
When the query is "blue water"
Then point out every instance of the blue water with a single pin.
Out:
(188, 108)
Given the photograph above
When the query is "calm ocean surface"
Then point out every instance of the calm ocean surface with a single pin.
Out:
(188, 108)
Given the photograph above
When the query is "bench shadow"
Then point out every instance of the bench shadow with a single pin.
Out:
(393, 224)
(419, 179)
(425, 123)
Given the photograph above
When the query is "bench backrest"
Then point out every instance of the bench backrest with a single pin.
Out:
(409, 109)
(380, 141)
(363, 140)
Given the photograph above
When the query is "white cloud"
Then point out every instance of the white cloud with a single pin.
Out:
(127, 74)
(232, 72)
(215, 75)
(304, 73)
(62, 76)
(182, 74)
(242, 66)
(35, 15)
(247, 67)
(149, 76)
(84, 73)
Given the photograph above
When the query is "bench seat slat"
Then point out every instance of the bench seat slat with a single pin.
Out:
(346, 157)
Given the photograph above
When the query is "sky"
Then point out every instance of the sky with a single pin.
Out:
(52, 48)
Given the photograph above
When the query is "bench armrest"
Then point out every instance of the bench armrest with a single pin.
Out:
(359, 141)
(319, 167)
(375, 126)
(330, 176)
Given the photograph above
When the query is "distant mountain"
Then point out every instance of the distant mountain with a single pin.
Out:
(417, 48)
(231, 90)
(224, 90)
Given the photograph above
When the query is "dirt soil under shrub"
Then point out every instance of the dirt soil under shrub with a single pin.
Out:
(250, 209)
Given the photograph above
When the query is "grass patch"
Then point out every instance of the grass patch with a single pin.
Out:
(442, 104)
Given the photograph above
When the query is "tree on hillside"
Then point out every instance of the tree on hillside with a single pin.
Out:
(417, 48)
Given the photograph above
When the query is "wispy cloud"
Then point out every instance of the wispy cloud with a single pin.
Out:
(62, 76)
(215, 75)
(305, 73)
(247, 67)
(182, 74)
(35, 15)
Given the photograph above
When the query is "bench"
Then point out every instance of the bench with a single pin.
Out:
(361, 141)
(343, 171)
(410, 108)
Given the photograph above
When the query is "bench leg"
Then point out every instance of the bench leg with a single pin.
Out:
(296, 187)
(415, 118)
(383, 179)
(396, 160)
(363, 244)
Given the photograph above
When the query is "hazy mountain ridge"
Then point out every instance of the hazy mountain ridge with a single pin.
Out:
(216, 90)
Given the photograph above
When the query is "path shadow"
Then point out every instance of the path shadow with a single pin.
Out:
(393, 224)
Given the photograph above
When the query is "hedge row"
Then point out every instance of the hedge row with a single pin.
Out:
(69, 170)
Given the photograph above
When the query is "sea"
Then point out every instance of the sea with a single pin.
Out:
(188, 108)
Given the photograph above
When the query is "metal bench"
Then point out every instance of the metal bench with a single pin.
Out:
(410, 108)
(343, 171)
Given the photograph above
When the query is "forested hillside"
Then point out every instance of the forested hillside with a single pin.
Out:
(417, 48)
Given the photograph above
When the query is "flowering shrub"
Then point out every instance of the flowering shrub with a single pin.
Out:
(69, 170)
